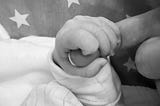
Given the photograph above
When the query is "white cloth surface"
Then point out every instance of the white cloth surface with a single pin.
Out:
(24, 66)
(51, 94)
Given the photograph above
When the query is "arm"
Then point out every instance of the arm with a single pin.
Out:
(136, 29)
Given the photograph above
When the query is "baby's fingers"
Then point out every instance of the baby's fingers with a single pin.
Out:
(77, 39)
(92, 25)
(72, 40)
(112, 32)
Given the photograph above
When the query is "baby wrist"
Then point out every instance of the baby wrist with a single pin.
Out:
(118, 45)
(113, 34)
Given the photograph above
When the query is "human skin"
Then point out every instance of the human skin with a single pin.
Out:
(133, 31)
(136, 29)
(143, 29)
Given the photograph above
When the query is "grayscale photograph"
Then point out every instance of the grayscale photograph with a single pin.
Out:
(79, 52)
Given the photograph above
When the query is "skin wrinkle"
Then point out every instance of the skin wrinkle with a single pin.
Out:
(110, 42)
(96, 33)
(104, 21)
(115, 29)
(102, 27)
(89, 20)
(103, 54)
(111, 38)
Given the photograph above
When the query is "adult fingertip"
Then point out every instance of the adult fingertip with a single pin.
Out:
(147, 58)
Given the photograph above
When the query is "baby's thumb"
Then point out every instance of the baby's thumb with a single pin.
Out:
(94, 67)
(78, 59)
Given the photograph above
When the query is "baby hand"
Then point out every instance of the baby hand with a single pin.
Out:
(84, 39)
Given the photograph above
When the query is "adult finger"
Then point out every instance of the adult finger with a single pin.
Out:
(148, 58)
